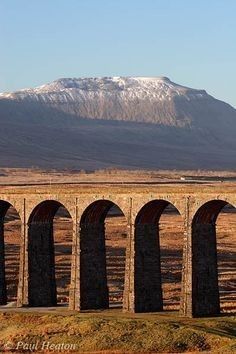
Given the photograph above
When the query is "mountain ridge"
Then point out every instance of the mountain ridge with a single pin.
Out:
(117, 121)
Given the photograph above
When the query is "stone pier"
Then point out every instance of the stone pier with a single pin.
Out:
(142, 205)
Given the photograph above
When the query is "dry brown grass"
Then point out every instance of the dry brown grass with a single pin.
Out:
(113, 332)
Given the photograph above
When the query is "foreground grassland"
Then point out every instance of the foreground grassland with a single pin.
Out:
(119, 333)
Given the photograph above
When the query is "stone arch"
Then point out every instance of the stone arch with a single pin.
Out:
(210, 201)
(152, 210)
(4, 207)
(147, 272)
(42, 289)
(209, 211)
(33, 204)
(178, 203)
(205, 288)
(94, 293)
(121, 203)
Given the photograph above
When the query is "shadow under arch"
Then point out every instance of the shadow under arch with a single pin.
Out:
(147, 260)
(42, 290)
(4, 208)
(205, 288)
(94, 292)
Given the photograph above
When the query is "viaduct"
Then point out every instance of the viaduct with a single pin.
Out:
(142, 205)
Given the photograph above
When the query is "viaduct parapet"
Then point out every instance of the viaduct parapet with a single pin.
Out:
(142, 206)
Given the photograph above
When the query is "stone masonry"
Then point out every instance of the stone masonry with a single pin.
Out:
(142, 206)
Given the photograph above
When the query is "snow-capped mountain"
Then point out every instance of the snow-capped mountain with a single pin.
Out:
(139, 99)
(156, 117)
(125, 88)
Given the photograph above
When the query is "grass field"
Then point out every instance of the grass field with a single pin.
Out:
(113, 332)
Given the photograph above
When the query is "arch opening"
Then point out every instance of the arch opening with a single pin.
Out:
(212, 264)
(153, 256)
(49, 254)
(10, 239)
(103, 231)
(171, 232)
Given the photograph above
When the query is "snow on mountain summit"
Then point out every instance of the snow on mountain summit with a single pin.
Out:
(155, 100)
(155, 87)
(160, 88)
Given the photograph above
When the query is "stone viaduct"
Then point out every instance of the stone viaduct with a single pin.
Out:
(142, 205)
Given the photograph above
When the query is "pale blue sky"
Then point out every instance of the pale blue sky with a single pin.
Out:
(193, 42)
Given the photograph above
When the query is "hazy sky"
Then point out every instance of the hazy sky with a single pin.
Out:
(193, 42)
